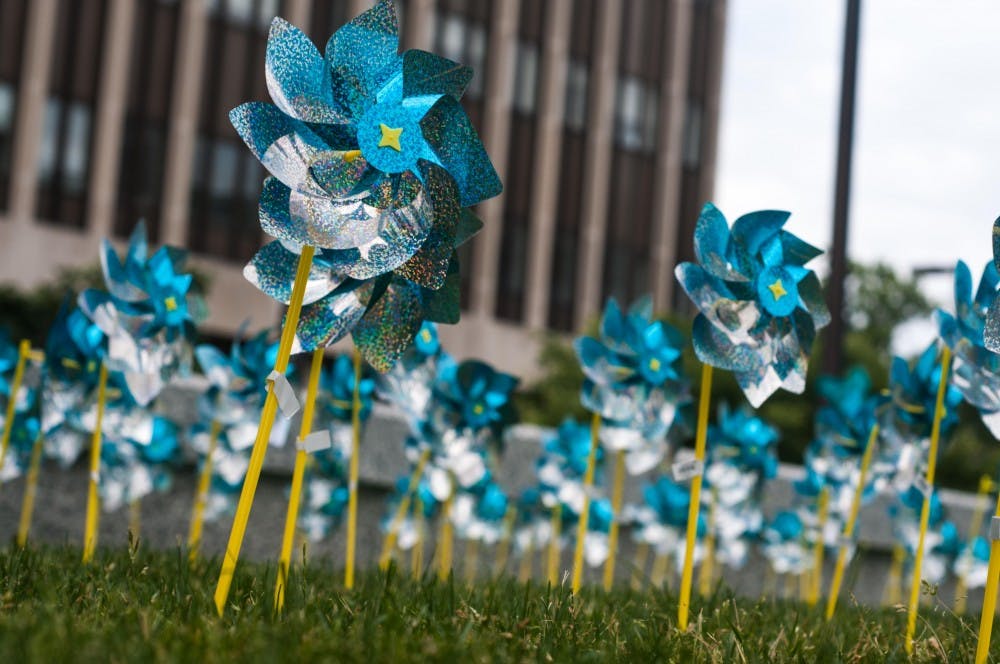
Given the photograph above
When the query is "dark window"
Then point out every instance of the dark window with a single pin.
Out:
(461, 33)
(12, 29)
(520, 152)
(227, 177)
(68, 123)
(144, 144)
(566, 245)
(630, 223)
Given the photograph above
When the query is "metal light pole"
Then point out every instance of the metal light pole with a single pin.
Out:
(834, 347)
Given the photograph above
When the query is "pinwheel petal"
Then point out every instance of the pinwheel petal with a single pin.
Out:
(429, 74)
(330, 319)
(364, 56)
(272, 270)
(298, 78)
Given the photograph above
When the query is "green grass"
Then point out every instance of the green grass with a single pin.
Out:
(139, 605)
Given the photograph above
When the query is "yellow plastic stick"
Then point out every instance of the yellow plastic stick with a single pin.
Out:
(31, 483)
(706, 571)
(23, 351)
(616, 505)
(990, 598)
(657, 576)
(639, 566)
(891, 596)
(819, 547)
(135, 518)
(852, 520)
(201, 494)
(925, 511)
(263, 435)
(352, 482)
(417, 553)
(684, 602)
(588, 484)
(93, 499)
(555, 531)
(389, 543)
(444, 545)
(526, 568)
(975, 525)
(298, 474)
(471, 560)
(503, 547)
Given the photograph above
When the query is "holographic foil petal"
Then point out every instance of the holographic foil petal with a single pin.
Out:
(275, 218)
(283, 145)
(388, 327)
(456, 144)
(429, 74)
(364, 56)
(272, 270)
(327, 321)
(298, 78)
(429, 266)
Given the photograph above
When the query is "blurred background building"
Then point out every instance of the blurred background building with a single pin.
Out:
(600, 115)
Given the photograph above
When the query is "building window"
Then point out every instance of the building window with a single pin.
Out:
(635, 115)
(526, 78)
(227, 177)
(326, 17)
(144, 143)
(12, 29)
(68, 124)
(575, 109)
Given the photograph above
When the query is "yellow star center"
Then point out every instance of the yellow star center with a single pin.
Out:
(654, 364)
(390, 137)
(478, 409)
(426, 336)
(170, 303)
(777, 290)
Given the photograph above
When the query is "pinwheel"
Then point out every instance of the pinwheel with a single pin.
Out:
(972, 564)
(373, 163)
(659, 522)
(418, 507)
(783, 544)
(759, 309)
(148, 313)
(227, 424)
(478, 517)
(24, 429)
(847, 429)
(975, 368)
(741, 458)
(20, 392)
(561, 490)
(634, 387)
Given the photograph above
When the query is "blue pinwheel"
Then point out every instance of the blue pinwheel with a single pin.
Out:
(759, 307)
(975, 370)
(913, 390)
(23, 435)
(373, 161)
(148, 313)
(783, 544)
(661, 519)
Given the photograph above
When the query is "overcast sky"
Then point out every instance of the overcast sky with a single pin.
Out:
(926, 182)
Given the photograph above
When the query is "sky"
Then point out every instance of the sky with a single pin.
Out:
(926, 183)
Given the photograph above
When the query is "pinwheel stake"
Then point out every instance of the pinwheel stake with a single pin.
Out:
(23, 351)
(819, 546)
(503, 547)
(555, 528)
(389, 543)
(759, 311)
(299, 471)
(30, 485)
(417, 553)
(263, 434)
(704, 400)
(93, 499)
(201, 494)
(616, 505)
(352, 482)
(990, 596)
(925, 510)
(446, 539)
(588, 485)
(639, 565)
(852, 520)
(706, 571)
(986, 487)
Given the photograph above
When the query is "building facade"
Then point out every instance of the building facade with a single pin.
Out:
(600, 116)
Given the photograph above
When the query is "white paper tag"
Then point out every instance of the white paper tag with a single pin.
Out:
(995, 529)
(688, 469)
(287, 401)
(921, 485)
(314, 442)
(95, 477)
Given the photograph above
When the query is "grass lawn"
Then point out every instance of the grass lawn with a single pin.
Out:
(139, 605)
